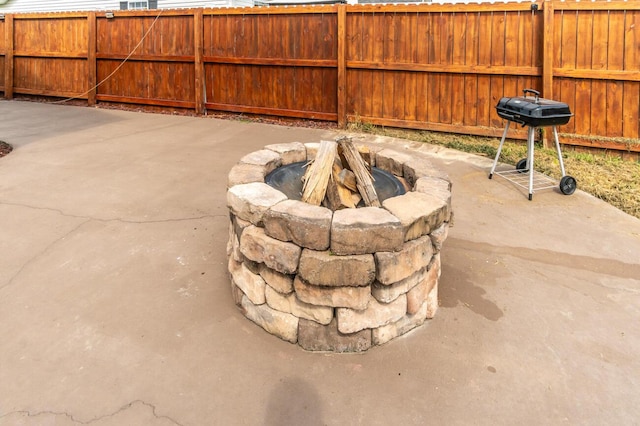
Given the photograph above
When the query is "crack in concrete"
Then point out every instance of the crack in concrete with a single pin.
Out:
(49, 209)
(42, 252)
(99, 219)
(184, 219)
(95, 419)
(87, 220)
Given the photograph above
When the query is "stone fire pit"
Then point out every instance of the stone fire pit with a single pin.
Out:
(336, 281)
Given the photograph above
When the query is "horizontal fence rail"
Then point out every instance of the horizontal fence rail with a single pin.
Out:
(429, 66)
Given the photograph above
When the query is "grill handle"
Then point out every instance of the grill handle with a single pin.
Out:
(511, 117)
(535, 92)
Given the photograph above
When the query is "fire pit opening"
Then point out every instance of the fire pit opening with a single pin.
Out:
(339, 279)
(288, 180)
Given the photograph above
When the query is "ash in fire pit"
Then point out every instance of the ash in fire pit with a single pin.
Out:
(341, 280)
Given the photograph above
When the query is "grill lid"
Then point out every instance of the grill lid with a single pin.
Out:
(534, 111)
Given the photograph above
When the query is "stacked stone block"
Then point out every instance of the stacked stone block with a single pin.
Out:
(338, 281)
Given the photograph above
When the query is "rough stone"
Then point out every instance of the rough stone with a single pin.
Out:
(323, 268)
(439, 235)
(438, 188)
(375, 315)
(365, 230)
(407, 323)
(252, 285)
(290, 304)
(432, 302)
(279, 255)
(230, 239)
(280, 324)
(245, 173)
(419, 213)
(234, 251)
(312, 149)
(347, 297)
(417, 296)
(368, 153)
(416, 168)
(316, 337)
(404, 183)
(282, 283)
(236, 294)
(238, 224)
(386, 293)
(289, 152)
(392, 161)
(304, 224)
(252, 266)
(249, 201)
(336, 281)
(429, 184)
(395, 266)
(269, 159)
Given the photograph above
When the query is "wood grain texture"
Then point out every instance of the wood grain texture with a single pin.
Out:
(2, 83)
(364, 179)
(199, 75)
(342, 67)
(437, 66)
(8, 57)
(318, 173)
(91, 59)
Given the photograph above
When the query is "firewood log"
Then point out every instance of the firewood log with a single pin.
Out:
(338, 195)
(318, 173)
(364, 179)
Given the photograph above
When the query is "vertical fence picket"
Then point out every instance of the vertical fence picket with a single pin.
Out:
(8, 57)
(342, 66)
(198, 37)
(437, 67)
(91, 58)
(547, 58)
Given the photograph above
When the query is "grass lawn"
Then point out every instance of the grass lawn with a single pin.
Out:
(611, 179)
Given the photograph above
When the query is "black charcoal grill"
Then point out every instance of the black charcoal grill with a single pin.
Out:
(534, 112)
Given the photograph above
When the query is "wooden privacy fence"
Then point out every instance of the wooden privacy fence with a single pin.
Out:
(428, 66)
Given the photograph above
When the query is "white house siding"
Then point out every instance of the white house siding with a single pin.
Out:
(7, 6)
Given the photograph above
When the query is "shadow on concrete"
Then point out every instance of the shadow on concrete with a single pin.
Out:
(294, 402)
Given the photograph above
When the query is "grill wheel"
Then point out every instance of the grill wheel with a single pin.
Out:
(521, 166)
(568, 185)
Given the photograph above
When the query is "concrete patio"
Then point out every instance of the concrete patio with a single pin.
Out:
(115, 304)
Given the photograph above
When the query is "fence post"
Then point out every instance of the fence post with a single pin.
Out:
(92, 66)
(198, 36)
(547, 60)
(342, 66)
(8, 58)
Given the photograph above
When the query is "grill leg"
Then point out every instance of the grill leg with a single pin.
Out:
(530, 147)
(495, 162)
(555, 137)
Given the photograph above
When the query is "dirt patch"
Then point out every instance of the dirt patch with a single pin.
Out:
(5, 149)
